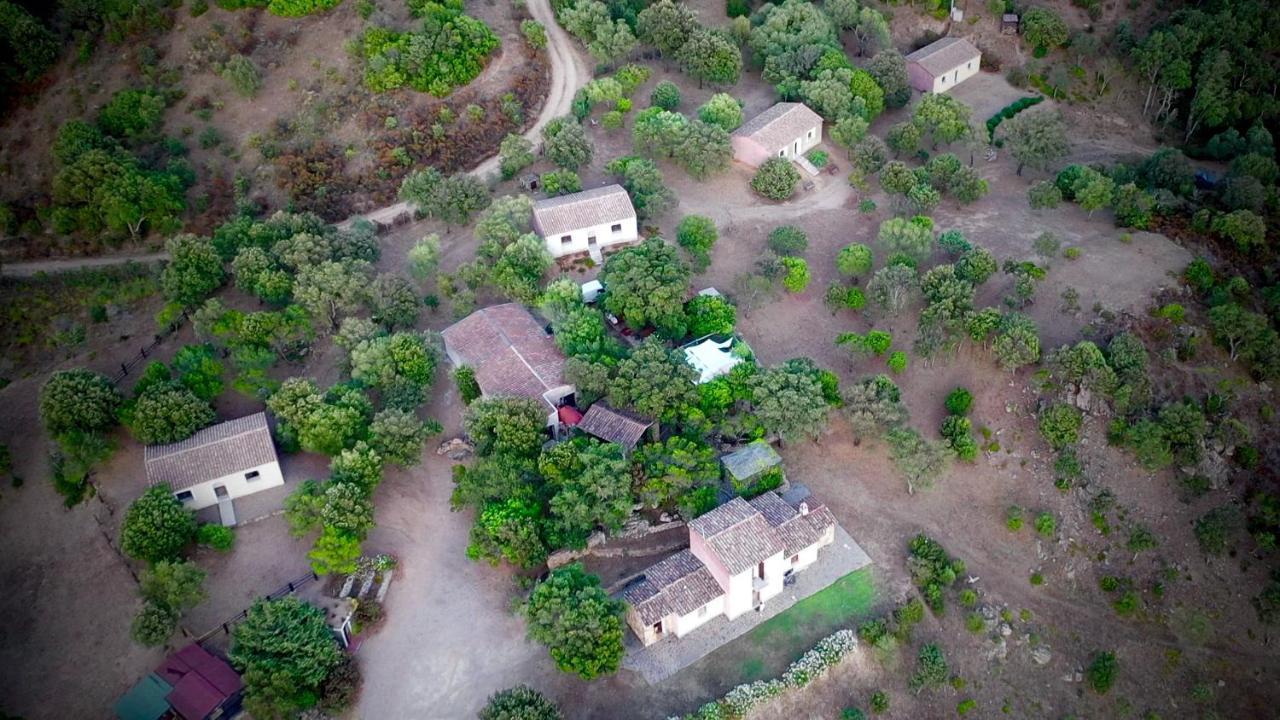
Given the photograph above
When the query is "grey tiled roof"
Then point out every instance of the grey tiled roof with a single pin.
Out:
(676, 586)
(564, 214)
(510, 352)
(943, 55)
(738, 534)
(755, 458)
(722, 518)
(796, 531)
(778, 126)
(614, 426)
(216, 451)
(747, 543)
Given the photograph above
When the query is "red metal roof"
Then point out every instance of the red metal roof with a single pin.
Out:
(569, 415)
(201, 682)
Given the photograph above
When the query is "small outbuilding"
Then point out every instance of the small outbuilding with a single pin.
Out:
(1009, 24)
(943, 64)
(615, 426)
(218, 464)
(786, 130)
(587, 222)
(746, 465)
(191, 684)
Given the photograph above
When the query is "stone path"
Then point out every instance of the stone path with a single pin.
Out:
(671, 655)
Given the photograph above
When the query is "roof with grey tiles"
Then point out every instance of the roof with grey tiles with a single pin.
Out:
(512, 355)
(796, 531)
(614, 426)
(214, 452)
(944, 55)
(780, 125)
(564, 214)
(676, 586)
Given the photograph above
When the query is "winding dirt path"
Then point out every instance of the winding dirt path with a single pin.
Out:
(569, 71)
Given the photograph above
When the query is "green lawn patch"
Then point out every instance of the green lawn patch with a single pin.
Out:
(770, 647)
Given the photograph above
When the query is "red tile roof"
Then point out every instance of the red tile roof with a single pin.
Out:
(510, 352)
(201, 682)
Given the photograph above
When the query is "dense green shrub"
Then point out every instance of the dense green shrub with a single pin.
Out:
(157, 527)
(959, 401)
(1101, 673)
(218, 537)
(776, 179)
(932, 570)
(449, 52)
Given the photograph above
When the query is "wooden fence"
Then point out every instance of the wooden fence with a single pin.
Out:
(287, 589)
(146, 352)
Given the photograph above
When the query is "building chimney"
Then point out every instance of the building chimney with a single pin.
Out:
(804, 508)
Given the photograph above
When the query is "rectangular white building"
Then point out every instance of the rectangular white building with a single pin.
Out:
(218, 464)
(587, 222)
(943, 64)
(786, 130)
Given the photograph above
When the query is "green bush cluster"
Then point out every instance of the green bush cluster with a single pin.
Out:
(1009, 111)
(449, 52)
(932, 570)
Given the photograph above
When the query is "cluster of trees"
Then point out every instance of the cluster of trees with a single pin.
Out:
(78, 408)
(449, 51)
(703, 149)
(920, 190)
(611, 91)
(289, 660)
(710, 55)
(519, 703)
(510, 257)
(643, 181)
(957, 430)
(170, 405)
(341, 422)
(607, 31)
(799, 45)
(453, 198)
(103, 186)
(1199, 79)
(158, 530)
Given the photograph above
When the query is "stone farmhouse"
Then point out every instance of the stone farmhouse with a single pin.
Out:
(217, 465)
(587, 222)
(786, 130)
(512, 356)
(739, 556)
(943, 64)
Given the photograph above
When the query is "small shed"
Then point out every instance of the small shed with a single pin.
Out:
(144, 701)
(1009, 24)
(746, 463)
(943, 64)
(615, 426)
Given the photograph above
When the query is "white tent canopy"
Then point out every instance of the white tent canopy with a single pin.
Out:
(711, 359)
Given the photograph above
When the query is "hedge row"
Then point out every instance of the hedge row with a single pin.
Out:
(1009, 111)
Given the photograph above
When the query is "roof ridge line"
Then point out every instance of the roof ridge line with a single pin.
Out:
(212, 442)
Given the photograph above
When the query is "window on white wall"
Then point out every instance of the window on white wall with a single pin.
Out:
(566, 239)
(185, 496)
(617, 228)
(252, 475)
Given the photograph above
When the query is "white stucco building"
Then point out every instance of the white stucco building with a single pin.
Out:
(786, 130)
(218, 464)
(512, 356)
(739, 557)
(943, 64)
(588, 222)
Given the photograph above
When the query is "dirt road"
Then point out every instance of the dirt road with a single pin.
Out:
(569, 71)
